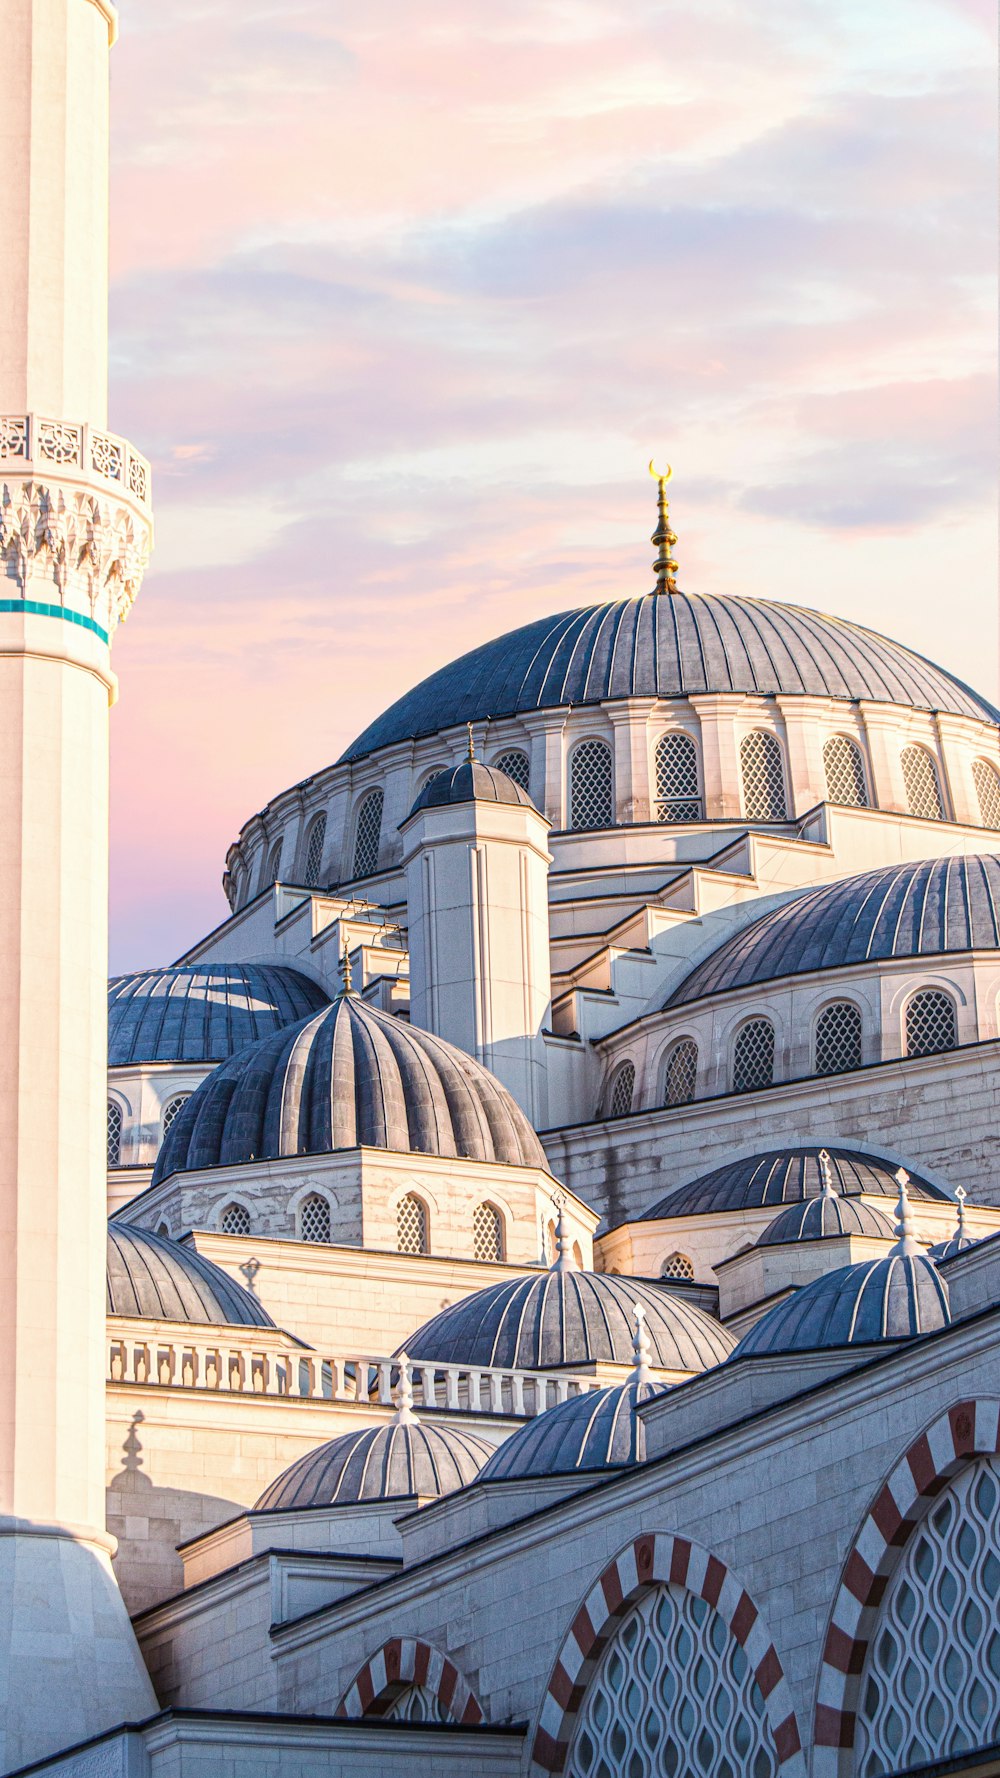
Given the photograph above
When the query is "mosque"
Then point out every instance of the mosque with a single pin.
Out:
(539, 1314)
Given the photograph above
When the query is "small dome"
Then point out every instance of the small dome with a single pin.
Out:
(349, 1077)
(564, 1318)
(203, 1012)
(961, 1239)
(153, 1277)
(816, 1219)
(599, 1430)
(786, 1176)
(471, 782)
(380, 1463)
(884, 1299)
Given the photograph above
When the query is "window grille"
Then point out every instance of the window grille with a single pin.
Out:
(753, 1056)
(273, 866)
(763, 777)
(314, 1218)
(930, 1023)
(515, 764)
(838, 1038)
(591, 797)
(487, 1232)
(114, 1133)
(367, 834)
(923, 794)
(673, 1692)
(987, 783)
(417, 1703)
(235, 1220)
(314, 851)
(622, 1089)
(931, 1680)
(677, 1265)
(429, 777)
(676, 767)
(680, 1074)
(172, 1109)
(411, 1225)
(845, 772)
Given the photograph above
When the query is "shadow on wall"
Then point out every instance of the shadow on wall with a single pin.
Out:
(150, 1521)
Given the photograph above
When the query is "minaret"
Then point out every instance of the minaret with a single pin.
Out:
(75, 532)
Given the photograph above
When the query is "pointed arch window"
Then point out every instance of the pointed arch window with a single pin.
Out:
(314, 1218)
(987, 782)
(680, 1072)
(367, 834)
(172, 1108)
(845, 773)
(114, 1133)
(931, 1023)
(591, 793)
(273, 866)
(920, 779)
(753, 1056)
(514, 762)
(762, 770)
(235, 1220)
(314, 851)
(676, 770)
(411, 1225)
(838, 1038)
(487, 1233)
(678, 1265)
(622, 1091)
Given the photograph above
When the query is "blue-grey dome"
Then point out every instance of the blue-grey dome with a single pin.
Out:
(954, 1244)
(670, 647)
(902, 910)
(883, 1299)
(349, 1077)
(163, 1280)
(600, 1430)
(203, 1012)
(565, 1318)
(786, 1176)
(471, 782)
(816, 1219)
(380, 1463)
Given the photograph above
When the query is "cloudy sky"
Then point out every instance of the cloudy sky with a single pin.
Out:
(405, 293)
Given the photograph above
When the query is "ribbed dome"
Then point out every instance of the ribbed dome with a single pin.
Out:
(565, 1318)
(349, 1077)
(203, 1012)
(470, 782)
(669, 647)
(600, 1430)
(815, 1219)
(785, 1176)
(380, 1463)
(954, 1244)
(884, 1299)
(162, 1280)
(908, 910)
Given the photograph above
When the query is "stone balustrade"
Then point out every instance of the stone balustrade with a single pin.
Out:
(58, 447)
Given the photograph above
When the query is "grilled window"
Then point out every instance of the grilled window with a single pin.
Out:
(680, 1072)
(172, 1109)
(114, 1133)
(515, 763)
(367, 834)
(314, 851)
(838, 1038)
(487, 1232)
(273, 866)
(235, 1220)
(677, 1265)
(931, 1024)
(923, 793)
(753, 1056)
(763, 777)
(314, 1218)
(676, 763)
(622, 1089)
(987, 783)
(411, 1225)
(845, 772)
(590, 796)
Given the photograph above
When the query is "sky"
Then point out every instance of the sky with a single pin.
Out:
(405, 296)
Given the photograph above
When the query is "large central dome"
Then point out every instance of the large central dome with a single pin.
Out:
(670, 646)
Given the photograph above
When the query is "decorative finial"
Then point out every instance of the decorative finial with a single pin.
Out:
(348, 978)
(641, 1347)
(404, 1415)
(665, 568)
(563, 1261)
(472, 745)
(829, 1189)
(907, 1245)
(960, 1232)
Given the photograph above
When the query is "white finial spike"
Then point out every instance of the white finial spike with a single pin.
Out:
(829, 1189)
(404, 1415)
(564, 1260)
(961, 1194)
(907, 1245)
(641, 1347)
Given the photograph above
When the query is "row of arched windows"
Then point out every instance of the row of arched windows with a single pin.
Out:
(116, 1120)
(413, 1233)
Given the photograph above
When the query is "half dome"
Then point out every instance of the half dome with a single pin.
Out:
(893, 1298)
(786, 1176)
(152, 1277)
(203, 1012)
(380, 1463)
(471, 782)
(599, 1430)
(818, 1219)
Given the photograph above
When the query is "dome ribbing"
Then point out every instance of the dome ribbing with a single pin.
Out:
(822, 1218)
(600, 1430)
(380, 1463)
(203, 1012)
(785, 1176)
(893, 1298)
(163, 1280)
(469, 783)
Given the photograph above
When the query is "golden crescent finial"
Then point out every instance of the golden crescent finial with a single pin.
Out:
(655, 473)
(665, 568)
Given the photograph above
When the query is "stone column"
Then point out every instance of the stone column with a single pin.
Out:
(885, 746)
(807, 722)
(630, 724)
(717, 713)
(548, 765)
(959, 738)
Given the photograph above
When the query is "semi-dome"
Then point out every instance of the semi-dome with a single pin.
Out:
(599, 1430)
(672, 646)
(937, 906)
(786, 1176)
(470, 782)
(818, 1219)
(203, 1012)
(163, 1280)
(885, 1299)
(380, 1463)
(349, 1077)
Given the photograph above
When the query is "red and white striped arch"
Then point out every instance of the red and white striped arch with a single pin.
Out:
(404, 1661)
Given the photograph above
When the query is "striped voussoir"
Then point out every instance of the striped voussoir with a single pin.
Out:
(405, 1661)
(969, 1429)
(654, 1559)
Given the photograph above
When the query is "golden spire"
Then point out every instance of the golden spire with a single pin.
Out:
(348, 979)
(665, 568)
(472, 744)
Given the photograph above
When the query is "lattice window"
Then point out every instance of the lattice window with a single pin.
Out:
(923, 793)
(314, 851)
(763, 777)
(172, 1109)
(680, 1073)
(931, 1682)
(676, 766)
(235, 1220)
(753, 1056)
(838, 1038)
(931, 1024)
(677, 1265)
(411, 1225)
(591, 795)
(367, 834)
(114, 1133)
(314, 1218)
(417, 1703)
(987, 783)
(487, 1232)
(273, 866)
(845, 772)
(622, 1089)
(673, 1692)
(515, 763)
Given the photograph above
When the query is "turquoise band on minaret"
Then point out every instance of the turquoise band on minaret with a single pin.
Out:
(37, 609)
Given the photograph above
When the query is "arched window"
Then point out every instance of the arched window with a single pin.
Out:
(680, 1072)
(367, 833)
(314, 851)
(591, 797)
(753, 1056)
(931, 1679)
(163, 1228)
(676, 768)
(673, 1691)
(273, 866)
(987, 783)
(314, 1218)
(235, 1220)
(515, 763)
(838, 1038)
(923, 793)
(411, 1225)
(931, 1024)
(114, 1133)
(417, 1703)
(172, 1108)
(677, 1265)
(487, 1232)
(622, 1089)
(845, 772)
(763, 777)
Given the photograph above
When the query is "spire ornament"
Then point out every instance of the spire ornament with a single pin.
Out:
(563, 1261)
(404, 1415)
(829, 1189)
(472, 745)
(907, 1245)
(347, 975)
(961, 1232)
(641, 1348)
(665, 568)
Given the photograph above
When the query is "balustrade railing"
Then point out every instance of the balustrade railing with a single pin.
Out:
(61, 445)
